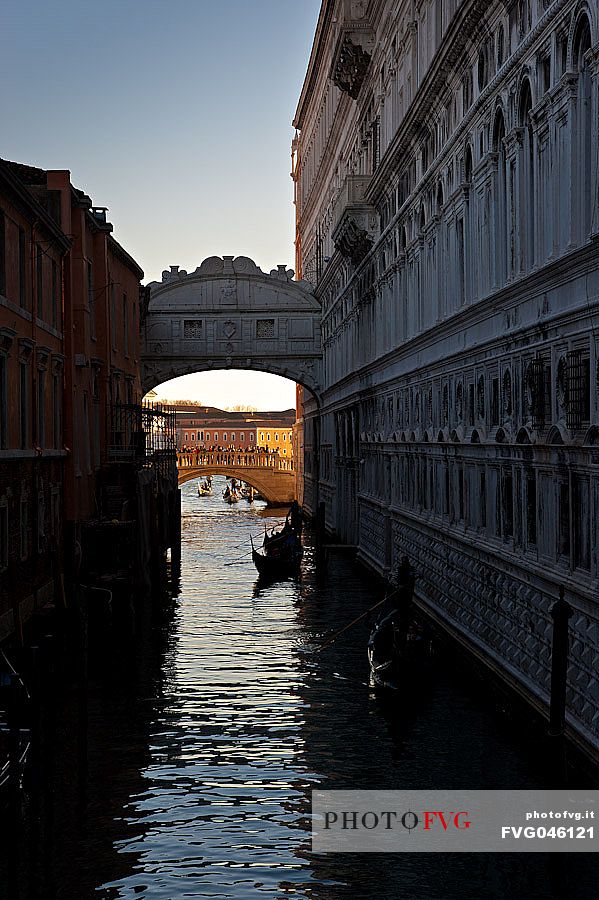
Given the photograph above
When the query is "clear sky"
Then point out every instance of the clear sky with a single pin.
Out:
(176, 115)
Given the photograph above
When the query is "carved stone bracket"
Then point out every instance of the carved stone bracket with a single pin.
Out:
(357, 221)
(349, 66)
(25, 349)
(352, 241)
(7, 336)
(42, 355)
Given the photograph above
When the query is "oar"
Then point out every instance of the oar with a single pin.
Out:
(355, 621)
(351, 624)
(237, 546)
(237, 558)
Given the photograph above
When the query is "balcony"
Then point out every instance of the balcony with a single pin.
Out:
(357, 224)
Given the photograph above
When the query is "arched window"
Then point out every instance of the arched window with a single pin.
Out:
(583, 150)
(500, 46)
(524, 103)
(440, 199)
(498, 131)
(467, 90)
(459, 403)
(527, 180)
(422, 218)
(507, 394)
(468, 165)
(443, 127)
(500, 199)
(483, 69)
(524, 18)
(480, 397)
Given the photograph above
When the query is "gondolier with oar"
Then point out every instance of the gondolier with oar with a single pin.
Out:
(293, 519)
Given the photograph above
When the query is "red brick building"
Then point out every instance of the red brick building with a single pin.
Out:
(69, 357)
(206, 426)
(33, 250)
(102, 304)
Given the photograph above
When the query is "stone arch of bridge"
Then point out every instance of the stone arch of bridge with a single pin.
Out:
(277, 488)
(229, 314)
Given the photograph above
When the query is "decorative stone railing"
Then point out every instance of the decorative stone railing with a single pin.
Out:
(235, 459)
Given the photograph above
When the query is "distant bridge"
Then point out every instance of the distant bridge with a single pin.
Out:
(270, 474)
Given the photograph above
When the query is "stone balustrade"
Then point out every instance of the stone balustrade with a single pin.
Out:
(237, 459)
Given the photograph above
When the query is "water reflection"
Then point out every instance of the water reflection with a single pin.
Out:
(201, 746)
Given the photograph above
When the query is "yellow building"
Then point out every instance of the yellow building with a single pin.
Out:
(275, 436)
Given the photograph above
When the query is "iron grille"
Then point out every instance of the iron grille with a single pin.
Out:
(445, 405)
(495, 401)
(536, 392)
(471, 404)
(577, 389)
(143, 434)
(125, 432)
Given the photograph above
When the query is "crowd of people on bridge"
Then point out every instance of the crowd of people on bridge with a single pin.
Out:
(232, 456)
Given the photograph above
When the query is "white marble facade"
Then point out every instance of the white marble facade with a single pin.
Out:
(446, 170)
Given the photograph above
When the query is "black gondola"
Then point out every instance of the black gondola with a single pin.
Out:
(398, 646)
(384, 652)
(280, 557)
(395, 654)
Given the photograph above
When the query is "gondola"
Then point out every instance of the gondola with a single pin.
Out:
(15, 730)
(396, 651)
(279, 558)
(205, 489)
(230, 495)
(383, 653)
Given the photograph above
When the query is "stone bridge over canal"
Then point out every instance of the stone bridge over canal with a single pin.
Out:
(229, 314)
(271, 475)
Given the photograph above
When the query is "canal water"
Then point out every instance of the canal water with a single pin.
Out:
(185, 767)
